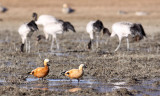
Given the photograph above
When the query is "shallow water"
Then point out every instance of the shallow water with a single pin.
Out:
(4, 41)
(60, 53)
(65, 85)
(147, 88)
(53, 84)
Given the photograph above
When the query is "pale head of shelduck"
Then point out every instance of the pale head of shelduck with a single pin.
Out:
(46, 62)
(65, 5)
(82, 66)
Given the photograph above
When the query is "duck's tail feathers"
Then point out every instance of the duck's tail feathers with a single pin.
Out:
(63, 73)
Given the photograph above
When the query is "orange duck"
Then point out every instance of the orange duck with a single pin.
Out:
(41, 72)
(75, 73)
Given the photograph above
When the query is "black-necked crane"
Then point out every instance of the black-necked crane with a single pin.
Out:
(26, 30)
(75, 73)
(53, 26)
(124, 29)
(94, 27)
(46, 19)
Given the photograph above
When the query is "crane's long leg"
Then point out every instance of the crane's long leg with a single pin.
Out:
(57, 43)
(49, 38)
(29, 46)
(90, 44)
(97, 43)
(52, 43)
(119, 44)
(107, 41)
(127, 43)
(23, 44)
(26, 45)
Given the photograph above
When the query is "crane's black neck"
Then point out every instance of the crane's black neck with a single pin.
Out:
(98, 26)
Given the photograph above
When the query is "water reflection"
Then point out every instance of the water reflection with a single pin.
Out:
(36, 85)
(74, 89)
(64, 85)
(61, 54)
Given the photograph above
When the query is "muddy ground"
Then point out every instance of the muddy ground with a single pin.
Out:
(134, 67)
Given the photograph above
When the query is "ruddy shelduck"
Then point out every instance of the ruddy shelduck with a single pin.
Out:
(75, 73)
(41, 72)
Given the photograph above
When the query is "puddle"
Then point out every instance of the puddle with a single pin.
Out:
(81, 40)
(55, 84)
(63, 54)
(4, 41)
(65, 85)
(6, 63)
(147, 88)
(53, 53)
(2, 81)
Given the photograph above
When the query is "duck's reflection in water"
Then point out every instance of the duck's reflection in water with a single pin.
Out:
(41, 86)
(74, 89)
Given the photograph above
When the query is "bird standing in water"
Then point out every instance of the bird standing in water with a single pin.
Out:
(41, 72)
(75, 73)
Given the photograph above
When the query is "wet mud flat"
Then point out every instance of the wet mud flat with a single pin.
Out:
(134, 72)
(123, 73)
